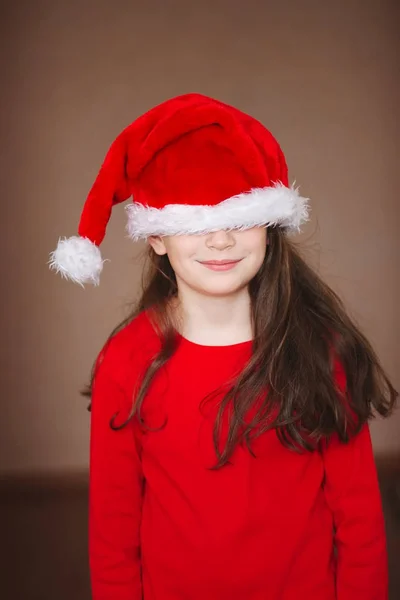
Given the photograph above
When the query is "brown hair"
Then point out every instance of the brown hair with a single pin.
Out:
(300, 331)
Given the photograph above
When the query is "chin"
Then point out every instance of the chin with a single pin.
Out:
(223, 289)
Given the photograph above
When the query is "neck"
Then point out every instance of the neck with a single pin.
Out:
(213, 320)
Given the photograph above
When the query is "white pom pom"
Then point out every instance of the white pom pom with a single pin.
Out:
(78, 259)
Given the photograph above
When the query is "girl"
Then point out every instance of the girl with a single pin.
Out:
(230, 452)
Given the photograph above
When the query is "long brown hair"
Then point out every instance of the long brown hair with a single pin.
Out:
(300, 331)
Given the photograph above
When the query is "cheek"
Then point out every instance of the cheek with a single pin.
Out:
(181, 257)
(257, 244)
(256, 256)
(257, 259)
(253, 237)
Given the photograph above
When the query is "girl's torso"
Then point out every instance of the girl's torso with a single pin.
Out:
(257, 528)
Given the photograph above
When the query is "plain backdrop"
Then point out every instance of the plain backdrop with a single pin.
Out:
(322, 76)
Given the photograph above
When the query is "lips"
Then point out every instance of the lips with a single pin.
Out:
(220, 265)
(219, 262)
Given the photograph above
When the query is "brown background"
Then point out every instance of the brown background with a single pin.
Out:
(321, 75)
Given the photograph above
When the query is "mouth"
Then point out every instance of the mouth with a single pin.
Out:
(220, 265)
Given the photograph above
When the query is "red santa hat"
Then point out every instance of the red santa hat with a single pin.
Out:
(192, 165)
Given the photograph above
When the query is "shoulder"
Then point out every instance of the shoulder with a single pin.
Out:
(127, 352)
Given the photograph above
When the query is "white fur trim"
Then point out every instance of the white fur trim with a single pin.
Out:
(77, 259)
(277, 205)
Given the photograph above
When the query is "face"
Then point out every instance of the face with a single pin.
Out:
(215, 264)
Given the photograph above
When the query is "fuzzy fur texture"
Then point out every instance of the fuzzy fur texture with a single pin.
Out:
(78, 259)
(277, 205)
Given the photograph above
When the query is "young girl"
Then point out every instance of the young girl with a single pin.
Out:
(230, 452)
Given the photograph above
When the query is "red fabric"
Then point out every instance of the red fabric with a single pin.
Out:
(188, 150)
(165, 527)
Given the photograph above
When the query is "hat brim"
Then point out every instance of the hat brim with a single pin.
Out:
(268, 206)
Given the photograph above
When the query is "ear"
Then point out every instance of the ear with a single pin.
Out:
(157, 243)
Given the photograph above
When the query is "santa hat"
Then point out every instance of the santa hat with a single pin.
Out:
(193, 165)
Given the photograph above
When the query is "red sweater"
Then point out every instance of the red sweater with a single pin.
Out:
(163, 526)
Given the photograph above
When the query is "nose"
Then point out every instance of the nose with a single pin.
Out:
(220, 240)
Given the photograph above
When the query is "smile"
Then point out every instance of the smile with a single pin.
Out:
(220, 265)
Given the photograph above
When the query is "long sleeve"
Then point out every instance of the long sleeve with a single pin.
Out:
(115, 496)
(352, 492)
